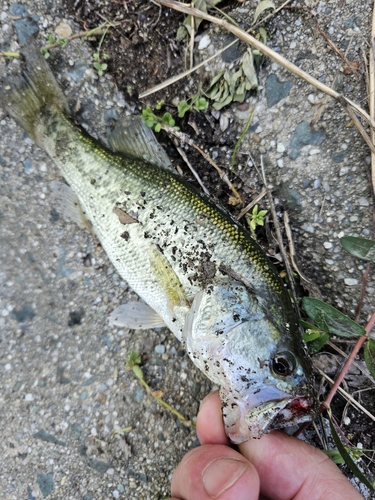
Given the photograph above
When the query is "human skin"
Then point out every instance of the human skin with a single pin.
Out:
(275, 467)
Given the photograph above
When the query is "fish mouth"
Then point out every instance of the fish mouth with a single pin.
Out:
(270, 415)
(298, 410)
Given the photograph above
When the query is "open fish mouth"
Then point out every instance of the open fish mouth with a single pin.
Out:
(296, 411)
(272, 415)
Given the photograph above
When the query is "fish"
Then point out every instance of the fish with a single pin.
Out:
(196, 270)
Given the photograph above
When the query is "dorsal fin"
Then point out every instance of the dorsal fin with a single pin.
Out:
(132, 137)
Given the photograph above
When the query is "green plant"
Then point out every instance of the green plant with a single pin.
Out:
(256, 218)
(133, 362)
(53, 40)
(186, 28)
(195, 102)
(99, 57)
(229, 86)
(98, 64)
(156, 122)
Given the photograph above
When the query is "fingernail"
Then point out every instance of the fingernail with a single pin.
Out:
(220, 474)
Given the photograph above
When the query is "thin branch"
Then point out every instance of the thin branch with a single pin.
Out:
(284, 255)
(223, 176)
(253, 202)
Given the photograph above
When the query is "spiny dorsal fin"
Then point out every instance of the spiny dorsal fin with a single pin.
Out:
(132, 137)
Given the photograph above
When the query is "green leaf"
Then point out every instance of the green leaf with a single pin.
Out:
(147, 113)
(335, 456)
(219, 105)
(315, 345)
(346, 456)
(214, 81)
(249, 69)
(359, 247)
(309, 337)
(263, 35)
(183, 107)
(158, 127)
(264, 5)
(307, 326)
(62, 41)
(51, 38)
(168, 118)
(45, 53)
(336, 322)
(182, 33)
(133, 359)
(369, 353)
(201, 104)
(137, 370)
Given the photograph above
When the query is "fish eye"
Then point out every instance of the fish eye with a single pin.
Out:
(284, 364)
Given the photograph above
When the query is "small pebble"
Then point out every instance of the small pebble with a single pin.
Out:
(350, 281)
(363, 202)
(204, 42)
(160, 349)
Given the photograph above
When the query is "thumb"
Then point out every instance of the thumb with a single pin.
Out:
(215, 471)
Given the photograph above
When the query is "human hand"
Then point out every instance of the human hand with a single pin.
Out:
(275, 467)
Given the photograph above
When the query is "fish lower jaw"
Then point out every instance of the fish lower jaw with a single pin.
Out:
(243, 423)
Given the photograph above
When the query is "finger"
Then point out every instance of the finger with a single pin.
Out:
(291, 469)
(210, 427)
(215, 471)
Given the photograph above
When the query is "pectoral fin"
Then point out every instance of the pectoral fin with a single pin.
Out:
(135, 315)
(167, 279)
(68, 204)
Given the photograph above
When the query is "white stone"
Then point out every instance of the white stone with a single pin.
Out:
(280, 147)
(311, 98)
(29, 397)
(204, 42)
(327, 245)
(363, 202)
(224, 122)
(350, 281)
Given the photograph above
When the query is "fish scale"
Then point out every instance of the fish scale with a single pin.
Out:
(198, 270)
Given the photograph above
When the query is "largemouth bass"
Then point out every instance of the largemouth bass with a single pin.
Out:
(194, 266)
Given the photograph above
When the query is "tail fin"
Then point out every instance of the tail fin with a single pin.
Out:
(25, 95)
